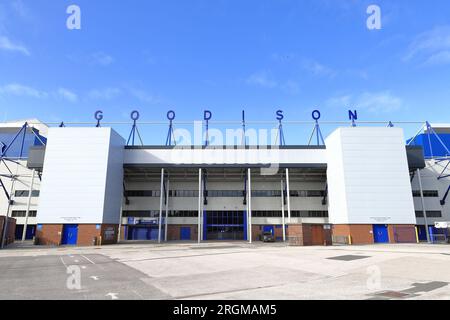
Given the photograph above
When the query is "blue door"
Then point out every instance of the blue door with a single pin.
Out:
(269, 229)
(19, 231)
(31, 232)
(185, 233)
(422, 233)
(380, 233)
(70, 234)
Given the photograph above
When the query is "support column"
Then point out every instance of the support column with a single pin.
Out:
(30, 191)
(161, 197)
(282, 211)
(167, 209)
(423, 206)
(199, 223)
(288, 195)
(5, 225)
(249, 203)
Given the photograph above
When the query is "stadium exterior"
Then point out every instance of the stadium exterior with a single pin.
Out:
(88, 186)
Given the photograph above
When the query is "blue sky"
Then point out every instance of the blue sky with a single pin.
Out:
(224, 56)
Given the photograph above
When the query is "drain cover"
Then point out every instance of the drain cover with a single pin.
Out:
(392, 294)
(348, 258)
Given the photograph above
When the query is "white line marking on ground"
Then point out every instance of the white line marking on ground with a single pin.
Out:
(88, 259)
(112, 295)
(94, 278)
(65, 265)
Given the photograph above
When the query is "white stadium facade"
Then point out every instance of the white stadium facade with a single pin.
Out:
(88, 186)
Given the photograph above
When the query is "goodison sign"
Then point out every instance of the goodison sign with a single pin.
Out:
(207, 115)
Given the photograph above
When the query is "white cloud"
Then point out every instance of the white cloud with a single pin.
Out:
(102, 58)
(104, 94)
(291, 87)
(318, 69)
(374, 102)
(339, 101)
(20, 90)
(143, 96)
(7, 45)
(431, 47)
(20, 9)
(67, 95)
(261, 79)
(442, 57)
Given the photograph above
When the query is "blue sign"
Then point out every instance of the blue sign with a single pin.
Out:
(98, 115)
(207, 115)
(135, 115)
(171, 115)
(316, 115)
(280, 115)
(147, 221)
(39, 227)
(97, 227)
(352, 115)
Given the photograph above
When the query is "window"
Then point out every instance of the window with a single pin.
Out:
(25, 193)
(309, 214)
(267, 214)
(184, 193)
(430, 214)
(142, 193)
(426, 193)
(266, 193)
(307, 193)
(140, 213)
(225, 193)
(183, 213)
(23, 213)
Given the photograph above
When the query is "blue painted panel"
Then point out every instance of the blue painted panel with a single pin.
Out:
(380, 233)
(205, 225)
(16, 148)
(185, 233)
(437, 149)
(245, 226)
(19, 231)
(142, 233)
(269, 229)
(70, 234)
(421, 231)
(31, 232)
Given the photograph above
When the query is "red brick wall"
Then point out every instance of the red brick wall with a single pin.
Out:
(360, 233)
(10, 232)
(87, 233)
(50, 234)
(402, 233)
(174, 231)
(303, 234)
(295, 234)
(257, 231)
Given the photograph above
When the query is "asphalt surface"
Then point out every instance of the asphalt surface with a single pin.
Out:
(220, 270)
